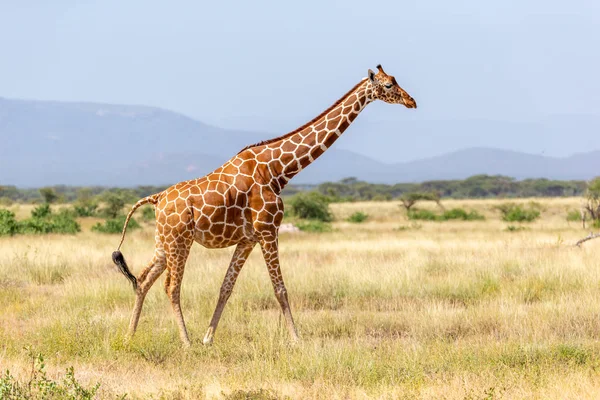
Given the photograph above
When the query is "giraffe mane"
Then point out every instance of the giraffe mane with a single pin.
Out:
(287, 135)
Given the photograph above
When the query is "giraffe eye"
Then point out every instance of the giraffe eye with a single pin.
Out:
(388, 85)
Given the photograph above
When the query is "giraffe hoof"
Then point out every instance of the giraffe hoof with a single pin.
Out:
(207, 341)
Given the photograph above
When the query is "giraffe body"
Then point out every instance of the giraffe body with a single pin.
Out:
(239, 204)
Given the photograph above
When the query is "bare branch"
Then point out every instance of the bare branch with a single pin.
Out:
(591, 236)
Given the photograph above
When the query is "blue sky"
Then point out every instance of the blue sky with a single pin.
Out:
(271, 65)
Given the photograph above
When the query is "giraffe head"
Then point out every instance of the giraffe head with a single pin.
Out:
(387, 89)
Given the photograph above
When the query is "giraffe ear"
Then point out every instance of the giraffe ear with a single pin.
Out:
(372, 76)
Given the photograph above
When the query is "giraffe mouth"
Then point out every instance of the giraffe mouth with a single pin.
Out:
(410, 102)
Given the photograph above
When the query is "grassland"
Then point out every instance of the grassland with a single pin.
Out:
(386, 309)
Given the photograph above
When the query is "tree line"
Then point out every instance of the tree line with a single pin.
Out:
(478, 186)
(349, 189)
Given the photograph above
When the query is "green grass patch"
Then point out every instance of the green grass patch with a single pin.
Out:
(358, 217)
(314, 226)
(453, 214)
(517, 213)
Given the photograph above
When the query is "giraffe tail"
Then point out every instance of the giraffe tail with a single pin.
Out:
(117, 256)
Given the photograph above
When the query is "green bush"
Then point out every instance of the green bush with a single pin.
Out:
(85, 205)
(423, 215)
(358, 217)
(314, 226)
(44, 221)
(573, 216)
(459, 213)
(40, 386)
(115, 225)
(41, 211)
(311, 205)
(8, 223)
(516, 213)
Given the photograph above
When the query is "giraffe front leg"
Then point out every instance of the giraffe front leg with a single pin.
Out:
(240, 255)
(270, 249)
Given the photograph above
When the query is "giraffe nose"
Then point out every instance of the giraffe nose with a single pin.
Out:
(409, 102)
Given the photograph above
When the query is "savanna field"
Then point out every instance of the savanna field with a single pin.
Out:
(388, 308)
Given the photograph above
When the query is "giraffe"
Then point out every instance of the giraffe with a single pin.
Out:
(239, 204)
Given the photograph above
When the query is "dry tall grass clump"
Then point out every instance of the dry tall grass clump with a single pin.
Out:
(388, 308)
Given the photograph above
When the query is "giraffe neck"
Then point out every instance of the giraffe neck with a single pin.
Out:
(299, 149)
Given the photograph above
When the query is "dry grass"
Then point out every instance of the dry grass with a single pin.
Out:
(386, 309)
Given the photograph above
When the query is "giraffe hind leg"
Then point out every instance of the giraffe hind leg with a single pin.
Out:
(177, 254)
(146, 279)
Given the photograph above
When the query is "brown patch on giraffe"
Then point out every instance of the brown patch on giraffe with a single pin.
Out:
(332, 125)
(304, 161)
(286, 158)
(248, 167)
(172, 195)
(288, 146)
(319, 127)
(335, 113)
(310, 138)
(316, 152)
(230, 170)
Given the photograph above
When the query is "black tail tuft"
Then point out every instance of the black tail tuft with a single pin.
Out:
(119, 260)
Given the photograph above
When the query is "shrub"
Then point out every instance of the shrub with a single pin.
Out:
(574, 216)
(42, 211)
(86, 205)
(517, 213)
(311, 205)
(424, 215)
(358, 217)
(314, 226)
(40, 386)
(8, 223)
(512, 228)
(459, 213)
(85, 210)
(44, 221)
(115, 225)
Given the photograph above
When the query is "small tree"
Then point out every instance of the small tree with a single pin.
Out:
(591, 204)
(49, 195)
(114, 203)
(410, 199)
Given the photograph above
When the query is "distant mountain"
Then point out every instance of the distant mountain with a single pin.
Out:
(45, 143)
